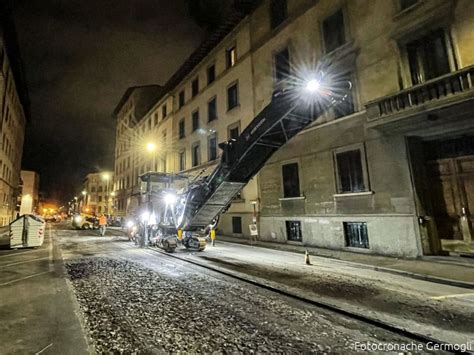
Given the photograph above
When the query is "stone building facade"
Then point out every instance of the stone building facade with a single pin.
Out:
(391, 171)
(97, 195)
(14, 110)
(29, 203)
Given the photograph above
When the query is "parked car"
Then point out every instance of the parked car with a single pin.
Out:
(83, 221)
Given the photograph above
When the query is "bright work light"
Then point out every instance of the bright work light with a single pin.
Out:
(313, 85)
(145, 216)
(170, 199)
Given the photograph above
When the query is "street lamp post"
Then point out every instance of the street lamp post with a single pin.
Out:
(76, 205)
(84, 199)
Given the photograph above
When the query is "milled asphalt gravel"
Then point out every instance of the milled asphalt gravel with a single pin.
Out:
(130, 308)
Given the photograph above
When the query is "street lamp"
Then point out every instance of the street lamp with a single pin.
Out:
(106, 177)
(84, 198)
(151, 147)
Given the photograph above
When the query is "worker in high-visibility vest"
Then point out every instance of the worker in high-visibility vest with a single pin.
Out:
(102, 224)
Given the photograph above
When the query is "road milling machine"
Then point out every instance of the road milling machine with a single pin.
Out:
(173, 208)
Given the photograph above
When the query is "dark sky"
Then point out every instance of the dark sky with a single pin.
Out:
(79, 57)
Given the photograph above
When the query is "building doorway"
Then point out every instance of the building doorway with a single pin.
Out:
(449, 166)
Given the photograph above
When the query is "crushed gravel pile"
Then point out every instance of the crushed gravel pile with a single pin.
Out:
(129, 308)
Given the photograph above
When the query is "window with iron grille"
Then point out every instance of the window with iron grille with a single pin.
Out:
(428, 57)
(334, 32)
(232, 96)
(182, 160)
(195, 119)
(212, 147)
(350, 171)
(278, 12)
(195, 87)
(356, 235)
(231, 56)
(181, 129)
(196, 154)
(211, 110)
(291, 180)
(237, 225)
(293, 231)
(282, 65)
(181, 99)
(211, 74)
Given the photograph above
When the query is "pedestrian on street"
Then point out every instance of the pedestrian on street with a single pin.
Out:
(102, 224)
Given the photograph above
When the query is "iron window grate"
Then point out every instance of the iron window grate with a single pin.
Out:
(356, 234)
(293, 231)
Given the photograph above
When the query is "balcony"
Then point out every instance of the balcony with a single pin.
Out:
(436, 94)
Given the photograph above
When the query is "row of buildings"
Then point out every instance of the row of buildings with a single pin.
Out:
(97, 195)
(391, 171)
(14, 113)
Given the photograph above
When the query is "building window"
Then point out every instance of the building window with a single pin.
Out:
(333, 31)
(350, 171)
(212, 110)
(99, 189)
(93, 189)
(232, 96)
(155, 118)
(278, 12)
(196, 154)
(237, 225)
(181, 129)
(356, 235)
(181, 99)
(346, 107)
(405, 4)
(195, 119)
(211, 74)
(164, 112)
(100, 198)
(428, 57)
(195, 87)
(212, 147)
(234, 130)
(230, 57)
(291, 180)
(293, 231)
(182, 160)
(282, 65)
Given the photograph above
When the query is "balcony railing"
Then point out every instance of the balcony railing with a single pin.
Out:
(443, 87)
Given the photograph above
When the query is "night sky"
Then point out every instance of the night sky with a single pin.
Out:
(79, 58)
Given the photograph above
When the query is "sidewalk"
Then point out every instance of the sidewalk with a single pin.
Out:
(454, 271)
(37, 309)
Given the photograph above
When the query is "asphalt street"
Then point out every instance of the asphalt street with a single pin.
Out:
(138, 300)
(81, 293)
